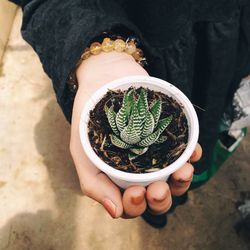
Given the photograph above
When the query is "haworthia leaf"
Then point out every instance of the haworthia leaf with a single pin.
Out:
(131, 133)
(161, 139)
(163, 123)
(139, 151)
(149, 125)
(121, 118)
(118, 142)
(124, 112)
(156, 110)
(111, 115)
(132, 156)
(149, 140)
(128, 101)
(142, 104)
(137, 122)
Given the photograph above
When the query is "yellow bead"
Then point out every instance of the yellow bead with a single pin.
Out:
(130, 48)
(138, 54)
(86, 54)
(119, 45)
(95, 48)
(107, 45)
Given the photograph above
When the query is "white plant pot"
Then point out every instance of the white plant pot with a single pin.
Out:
(123, 179)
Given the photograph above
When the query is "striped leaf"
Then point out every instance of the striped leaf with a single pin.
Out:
(124, 112)
(149, 140)
(155, 109)
(149, 125)
(116, 141)
(128, 101)
(131, 133)
(161, 139)
(111, 115)
(142, 104)
(139, 151)
(163, 123)
(132, 156)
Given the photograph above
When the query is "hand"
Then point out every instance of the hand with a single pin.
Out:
(91, 75)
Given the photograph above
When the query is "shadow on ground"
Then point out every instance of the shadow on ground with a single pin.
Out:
(44, 230)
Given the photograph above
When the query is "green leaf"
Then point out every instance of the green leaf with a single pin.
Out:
(139, 151)
(161, 139)
(142, 104)
(155, 109)
(149, 125)
(163, 123)
(131, 133)
(132, 156)
(124, 112)
(116, 141)
(111, 115)
(121, 118)
(149, 140)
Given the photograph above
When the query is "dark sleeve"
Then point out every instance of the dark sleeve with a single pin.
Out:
(60, 30)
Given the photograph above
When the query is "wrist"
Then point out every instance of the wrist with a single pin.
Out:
(106, 67)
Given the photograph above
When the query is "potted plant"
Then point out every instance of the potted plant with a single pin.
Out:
(138, 130)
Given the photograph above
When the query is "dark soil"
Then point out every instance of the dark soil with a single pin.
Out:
(158, 156)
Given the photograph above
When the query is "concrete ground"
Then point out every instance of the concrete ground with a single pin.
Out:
(41, 205)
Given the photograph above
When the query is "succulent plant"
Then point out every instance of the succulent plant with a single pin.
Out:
(137, 125)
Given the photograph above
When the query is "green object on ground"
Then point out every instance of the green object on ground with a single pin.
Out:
(220, 155)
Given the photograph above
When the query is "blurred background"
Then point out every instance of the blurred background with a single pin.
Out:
(41, 205)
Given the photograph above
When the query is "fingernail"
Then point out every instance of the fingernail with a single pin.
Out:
(110, 207)
(161, 198)
(181, 181)
(136, 200)
(193, 154)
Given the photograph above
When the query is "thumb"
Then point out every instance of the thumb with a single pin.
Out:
(104, 191)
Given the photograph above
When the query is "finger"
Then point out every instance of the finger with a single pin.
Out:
(94, 183)
(196, 154)
(181, 179)
(103, 190)
(159, 197)
(134, 201)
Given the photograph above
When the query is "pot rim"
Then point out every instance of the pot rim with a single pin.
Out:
(133, 81)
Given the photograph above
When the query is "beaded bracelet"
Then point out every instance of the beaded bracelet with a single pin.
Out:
(108, 44)
(119, 45)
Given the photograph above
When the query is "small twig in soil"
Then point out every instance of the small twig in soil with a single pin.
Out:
(103, 142)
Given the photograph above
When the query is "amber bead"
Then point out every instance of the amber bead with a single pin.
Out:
(130, 47)
(143, 62)
(86, 54)
(138, 54)
(95, 48)
(119, 45)
(107, 45)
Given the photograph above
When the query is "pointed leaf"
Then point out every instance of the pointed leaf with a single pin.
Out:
(156, 110)
(128, 101)
(161, 139)
(163, 123)
(111, 115)
(132, 156)
(139, 151)
(124, 112)
(116, 141)
(142, 104)
(149, 125)
(149, 140)
(121, 118)
(131, 133)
